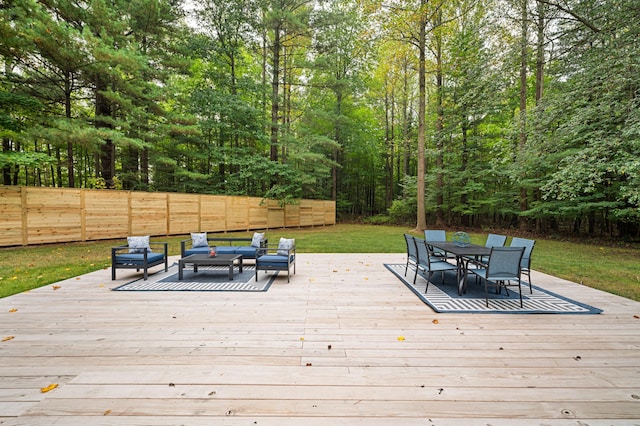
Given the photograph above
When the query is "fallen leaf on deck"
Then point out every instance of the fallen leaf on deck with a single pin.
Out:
(55, 287)
(51, 387)
(400, 337)
(106, 413)
(6, 339)
(435, 321)
(13, 310)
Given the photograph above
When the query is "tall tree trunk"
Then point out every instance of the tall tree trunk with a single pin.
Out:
(422, 42)
(103, 115)
(464, 161)
(540, 62)
(439, 125)
(6, 170)
(388, 164)
(67, 112)
(336, 152)
(275, 92)
(405, 118)
(522, 220)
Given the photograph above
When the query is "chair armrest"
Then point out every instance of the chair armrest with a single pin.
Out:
(165, 247)
(273, 249)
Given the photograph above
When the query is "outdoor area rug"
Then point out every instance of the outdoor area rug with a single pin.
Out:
(208, 278)
(444, 298)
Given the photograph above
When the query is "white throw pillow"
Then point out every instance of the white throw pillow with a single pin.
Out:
(199, 239)
(284, 245)
(138, 244)
(257, 239)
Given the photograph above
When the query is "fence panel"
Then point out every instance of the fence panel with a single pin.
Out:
(11, 216)
(106, 214)
(35, 215)
(213, 213)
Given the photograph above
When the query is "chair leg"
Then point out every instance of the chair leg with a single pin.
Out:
(486, 292)
(428, 281)
(520, 291)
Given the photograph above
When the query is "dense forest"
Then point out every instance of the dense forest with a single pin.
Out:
(468, 113)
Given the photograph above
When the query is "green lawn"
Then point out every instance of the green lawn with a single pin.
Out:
(614, 268)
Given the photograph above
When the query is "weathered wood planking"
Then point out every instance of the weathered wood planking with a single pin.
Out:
(320, 350)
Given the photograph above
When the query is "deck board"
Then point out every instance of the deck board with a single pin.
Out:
(320, 350)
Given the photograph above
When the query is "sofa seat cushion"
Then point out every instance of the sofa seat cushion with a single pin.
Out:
(247, 252)
(226, 249)
(138, 258)
(197, 250)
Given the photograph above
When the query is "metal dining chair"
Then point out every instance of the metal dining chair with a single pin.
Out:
(411, 252)
(494, 240)
(503, 268)
(525, 264)
(436, 235)
(429, 264)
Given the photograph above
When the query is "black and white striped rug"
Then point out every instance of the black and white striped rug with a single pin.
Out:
(443, 296)
(208, 278)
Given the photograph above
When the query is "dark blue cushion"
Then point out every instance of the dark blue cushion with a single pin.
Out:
(197, 250)
(273, 260)
(247, 252)
(138, 258)
(226, 249)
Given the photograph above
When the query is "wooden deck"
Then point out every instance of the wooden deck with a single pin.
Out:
(321, 350)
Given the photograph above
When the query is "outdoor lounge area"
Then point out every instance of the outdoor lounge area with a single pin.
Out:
(344, 343)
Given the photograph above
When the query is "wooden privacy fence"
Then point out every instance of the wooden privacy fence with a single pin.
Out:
(35, 215)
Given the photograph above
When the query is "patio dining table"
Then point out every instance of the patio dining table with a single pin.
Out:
(461, 252)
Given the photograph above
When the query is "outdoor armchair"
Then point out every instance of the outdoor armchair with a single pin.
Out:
(277, 258)
(139, 256)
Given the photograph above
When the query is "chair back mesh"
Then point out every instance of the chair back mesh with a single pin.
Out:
(411, 247)
(435, 235)
(495, 240)
(504, 263)
(423, 253)
(528, 248)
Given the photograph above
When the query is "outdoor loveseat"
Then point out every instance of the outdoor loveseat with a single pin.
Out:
(200, 243)
(138, 254)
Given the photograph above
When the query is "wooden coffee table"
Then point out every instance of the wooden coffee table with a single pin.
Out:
(204, 260)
